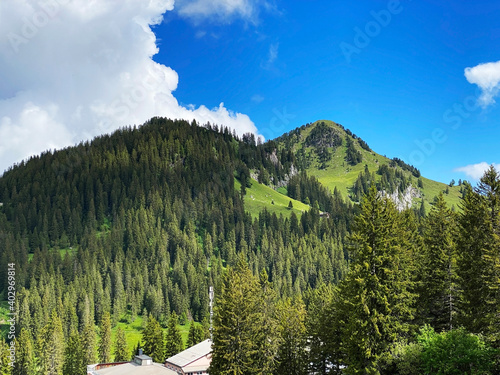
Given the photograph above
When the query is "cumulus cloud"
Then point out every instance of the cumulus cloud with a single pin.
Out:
(223, 11)
(476, 171)
(71, 70)
(487, 77)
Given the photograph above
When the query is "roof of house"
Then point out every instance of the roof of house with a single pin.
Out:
(191, 354)
(135, 369)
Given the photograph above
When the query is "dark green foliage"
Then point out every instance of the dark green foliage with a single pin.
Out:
(173, 338)
(105, 339)
(376, 295)
(406, 167)
(74, 356)
(292, 352)
(353, 156)
(478, 248)
(121, 352)
(152, 339)
(438, 281)
(25, 355)
(196, 334)
(244, 333)
(323, 136)
(5, 361)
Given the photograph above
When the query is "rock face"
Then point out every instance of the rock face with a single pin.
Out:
(403, 200)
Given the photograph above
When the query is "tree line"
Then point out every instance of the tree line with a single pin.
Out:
(420, 297)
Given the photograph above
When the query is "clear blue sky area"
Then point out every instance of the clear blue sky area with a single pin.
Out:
(391, 71)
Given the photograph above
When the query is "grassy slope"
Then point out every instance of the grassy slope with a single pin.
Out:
(260, 196)
(133, 332)
(343, 176)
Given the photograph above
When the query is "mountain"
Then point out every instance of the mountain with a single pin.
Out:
(136, 225)
(337, 157)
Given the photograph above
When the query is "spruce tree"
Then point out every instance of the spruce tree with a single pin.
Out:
(237, 330)
(51, 344)
(74, 356)
(152, 338)
(438, 284)
(173, 339)
(292, 352)
(478, 263)
(121, 349)
(105, 339)
(376, 294)
(89, 343)
(25, 355)
(196, 334)
(5, 361)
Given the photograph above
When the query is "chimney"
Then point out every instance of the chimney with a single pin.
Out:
(140, 351)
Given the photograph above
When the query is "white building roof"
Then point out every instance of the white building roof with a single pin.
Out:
(135, 369)
(191, 354)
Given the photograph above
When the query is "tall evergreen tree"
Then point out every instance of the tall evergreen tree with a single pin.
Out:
(238, 331)
(196, 334)
(173, 339)
(121, 351)
(292, 353)
(152, 338)
(74, 356)
(52, 347)
(25, 355)
(377, 290)
(438, 284)
(89, 343)
(5, 361)
(105, 339)
(479, 258)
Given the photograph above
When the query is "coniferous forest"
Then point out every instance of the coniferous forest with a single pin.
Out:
(138, 224)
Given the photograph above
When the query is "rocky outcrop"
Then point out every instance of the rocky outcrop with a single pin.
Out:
(403, 200)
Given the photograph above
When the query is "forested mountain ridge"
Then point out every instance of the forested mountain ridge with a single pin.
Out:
(142, 221)
(136, 225)
(341, 159)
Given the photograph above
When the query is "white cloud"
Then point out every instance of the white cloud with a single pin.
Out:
(476, 171)
(257, 98)
(72, 70)
(223, 11)
(487, 77)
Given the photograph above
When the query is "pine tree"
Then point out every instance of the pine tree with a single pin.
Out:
(292, 354)
(121, 349)
(74, 356)
(152, 338)
(89, 343)
(173, 339)
(105, 339)
(5, 361)
(377, 290)
(236, 323)
(196, 334)
(25, 355)
(438, 287)
(51, 344)
(478, 263)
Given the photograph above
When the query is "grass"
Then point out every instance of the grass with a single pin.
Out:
(341, 175)
(62, 252)
(260, 196)
(133, 332)
(4, 326)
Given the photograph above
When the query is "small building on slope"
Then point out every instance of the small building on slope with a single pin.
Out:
(192, 361)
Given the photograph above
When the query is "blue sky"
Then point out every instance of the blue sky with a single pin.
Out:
(402, 88)
(417, 80)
